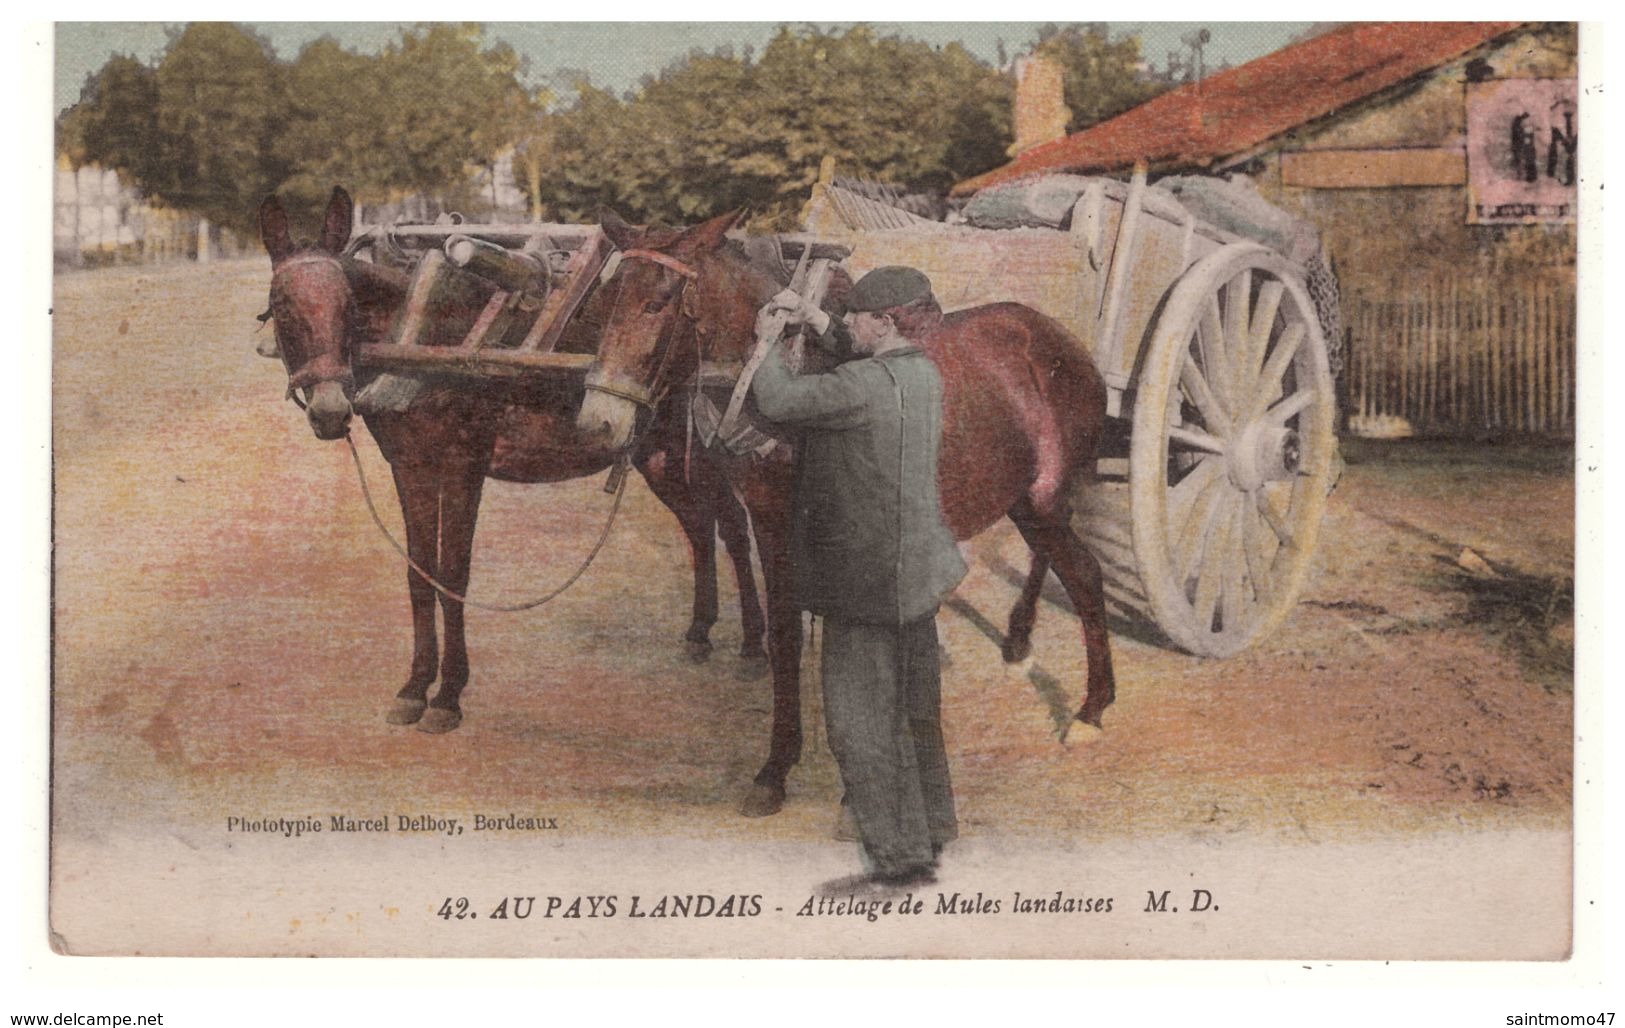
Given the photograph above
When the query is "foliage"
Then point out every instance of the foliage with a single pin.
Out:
(884, 107)
(196, 131)
(218, 122)
(451, 104)
(335, 101)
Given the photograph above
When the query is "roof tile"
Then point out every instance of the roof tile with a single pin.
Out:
(1234, 110)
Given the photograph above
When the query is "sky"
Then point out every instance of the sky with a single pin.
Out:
(618, 54)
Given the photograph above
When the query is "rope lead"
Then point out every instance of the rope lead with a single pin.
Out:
(619, 489)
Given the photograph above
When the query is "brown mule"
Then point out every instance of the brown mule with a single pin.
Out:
(443, 448)
(1023, 408)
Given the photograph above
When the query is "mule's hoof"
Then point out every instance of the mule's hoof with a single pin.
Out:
(762, 801)
(751, 666)
(698, 651)
(1016, 650)
(1081, 733)
(439, 720)
(405, 712)
(1020, 669)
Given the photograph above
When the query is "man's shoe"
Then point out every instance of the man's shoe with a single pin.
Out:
(922, 874)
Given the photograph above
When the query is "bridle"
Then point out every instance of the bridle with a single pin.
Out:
(649, 397)
(324, 367)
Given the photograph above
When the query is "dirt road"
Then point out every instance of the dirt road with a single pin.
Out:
(230, 628)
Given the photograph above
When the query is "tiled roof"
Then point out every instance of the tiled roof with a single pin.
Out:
(1234, 110)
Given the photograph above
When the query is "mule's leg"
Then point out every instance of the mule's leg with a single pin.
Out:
(733, 523)
(459, 508)
(695, 514)
(1051, 537)
(419, 496)
(766, 795)
(1018, 641)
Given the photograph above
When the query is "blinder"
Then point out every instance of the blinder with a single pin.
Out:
(647, 397)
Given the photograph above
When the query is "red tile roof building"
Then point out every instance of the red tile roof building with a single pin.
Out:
(1459, 311)
(1233, 111)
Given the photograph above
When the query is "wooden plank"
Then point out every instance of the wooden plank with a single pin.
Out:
(1546, 349)
(1527, 295)
(1407, 315)
(1492, 339)
(1374, 168)
(1458, 369)
(455, 360)
(1481, 349)
(1432, 348)
(488, 319)
(512, 235)
(1359, 356)
(582, 270)
(793, 244)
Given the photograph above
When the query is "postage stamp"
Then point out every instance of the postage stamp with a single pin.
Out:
(736, 490)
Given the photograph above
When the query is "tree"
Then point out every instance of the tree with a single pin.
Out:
(882, 106)
(452, 104)
(221, 109)
(335, 133)
(115, 122)
(197, 132)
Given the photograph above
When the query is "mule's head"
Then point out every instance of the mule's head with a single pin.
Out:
(674, 296)
(313, 307)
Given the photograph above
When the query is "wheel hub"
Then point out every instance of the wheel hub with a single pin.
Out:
(1264, 452)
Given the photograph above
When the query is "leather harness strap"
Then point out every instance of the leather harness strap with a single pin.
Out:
(664, 260)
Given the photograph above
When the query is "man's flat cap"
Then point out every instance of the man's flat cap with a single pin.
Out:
(885, 288)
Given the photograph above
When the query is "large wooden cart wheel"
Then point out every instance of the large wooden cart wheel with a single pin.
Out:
(1232, 449)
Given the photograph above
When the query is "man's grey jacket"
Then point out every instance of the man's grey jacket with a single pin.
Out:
(868, 540)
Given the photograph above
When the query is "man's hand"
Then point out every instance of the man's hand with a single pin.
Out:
(770, 323)
(800, 309)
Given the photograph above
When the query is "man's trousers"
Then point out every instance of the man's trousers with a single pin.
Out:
(883, 711)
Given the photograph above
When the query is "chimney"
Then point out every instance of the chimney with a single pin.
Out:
(1041, 113)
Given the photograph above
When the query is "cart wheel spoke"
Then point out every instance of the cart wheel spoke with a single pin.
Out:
(1198, 525)
(1258, 563)
(1290, 406)
(1263, 325)
(1233, 598)
(1237, 300)
(1271, 378)
(1210, 577)
(1195, 525)
(1196, 439)
(1273, 519)
(1215, 354)
(1184, 494)
(1196, 387)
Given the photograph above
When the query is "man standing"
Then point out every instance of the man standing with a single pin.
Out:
(873, 557)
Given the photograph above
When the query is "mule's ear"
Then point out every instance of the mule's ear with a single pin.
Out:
(624, 236)
(709, 235)
(274, 229)
(336, 225)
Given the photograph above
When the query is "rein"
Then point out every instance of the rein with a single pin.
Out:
(617, 475)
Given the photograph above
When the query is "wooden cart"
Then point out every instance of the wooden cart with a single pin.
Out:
(1221, 449)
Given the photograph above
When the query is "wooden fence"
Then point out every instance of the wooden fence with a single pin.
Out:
(1462, 355)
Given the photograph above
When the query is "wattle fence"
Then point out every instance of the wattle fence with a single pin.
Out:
(1459, 355)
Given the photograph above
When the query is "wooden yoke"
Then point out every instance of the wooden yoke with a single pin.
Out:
(523, 281)
(810, 279)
